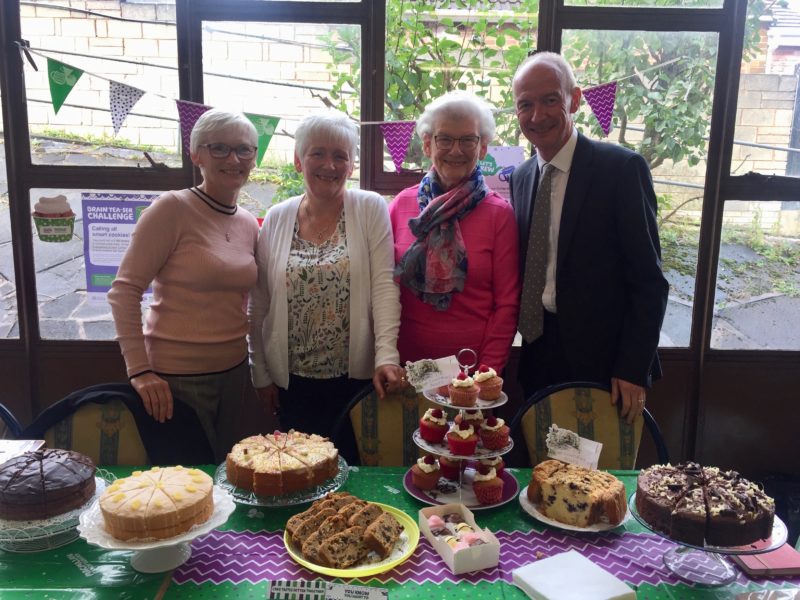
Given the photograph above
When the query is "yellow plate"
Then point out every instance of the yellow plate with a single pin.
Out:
(411, 530)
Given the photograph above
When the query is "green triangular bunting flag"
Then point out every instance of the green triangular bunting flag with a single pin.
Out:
(265, 127)
(62, 79)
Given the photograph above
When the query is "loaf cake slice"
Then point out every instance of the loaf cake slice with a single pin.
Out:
(344, 549)
(309, 525)
(382, 534)
(330, 526)
(365, 516)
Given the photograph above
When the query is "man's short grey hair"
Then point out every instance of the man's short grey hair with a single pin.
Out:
(454, 106)
(333, 126)
(558, 62)
(214, 121)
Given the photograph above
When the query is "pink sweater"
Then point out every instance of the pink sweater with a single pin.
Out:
(197, 322)
(483, 316)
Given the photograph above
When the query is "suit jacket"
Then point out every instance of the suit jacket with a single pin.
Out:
(611, 294)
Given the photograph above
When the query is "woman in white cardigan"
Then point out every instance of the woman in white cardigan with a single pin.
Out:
(325, 313)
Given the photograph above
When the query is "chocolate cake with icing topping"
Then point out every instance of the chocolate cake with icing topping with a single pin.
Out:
(45, 483)
(704, 505)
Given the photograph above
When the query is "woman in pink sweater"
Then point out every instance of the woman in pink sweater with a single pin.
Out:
(198, 250)
(455, 243)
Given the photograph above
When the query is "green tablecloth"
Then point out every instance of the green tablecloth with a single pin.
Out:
(80, 570)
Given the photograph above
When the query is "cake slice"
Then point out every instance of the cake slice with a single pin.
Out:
(382, 534)
(689, 517)
(348, 510)
(365, 516)
(344, 549)
(310, 524)
(330, 526)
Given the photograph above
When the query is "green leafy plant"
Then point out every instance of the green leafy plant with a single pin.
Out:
(290, 184)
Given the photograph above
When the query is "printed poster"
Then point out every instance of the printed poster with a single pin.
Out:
(497, 166)
(108, 222)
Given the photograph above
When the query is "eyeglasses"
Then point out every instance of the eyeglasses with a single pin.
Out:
(467, 143)
(220, 150)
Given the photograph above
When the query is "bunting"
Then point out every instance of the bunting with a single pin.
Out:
(601, 100)
(188, 113)
(265, 128)
(398, 136)
(122, 99)
(62, 79)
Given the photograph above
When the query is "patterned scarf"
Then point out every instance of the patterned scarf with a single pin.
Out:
(435, 266)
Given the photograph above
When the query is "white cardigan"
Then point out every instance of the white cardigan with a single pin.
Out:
(374, 296)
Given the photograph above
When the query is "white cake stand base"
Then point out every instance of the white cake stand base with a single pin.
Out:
(698, 566)
(158, 560)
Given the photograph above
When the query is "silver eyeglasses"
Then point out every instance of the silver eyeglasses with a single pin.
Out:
(467, 143)
(220, 150)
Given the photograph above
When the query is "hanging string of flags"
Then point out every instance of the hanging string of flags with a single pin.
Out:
(62, 79)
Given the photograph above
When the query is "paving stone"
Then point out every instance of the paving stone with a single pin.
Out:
(99, 330)
(769, 322)
(60, 308)
(58, 329)
(91, 310)
(677, 325)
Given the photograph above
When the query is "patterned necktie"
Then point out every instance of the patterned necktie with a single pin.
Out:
(531, 308)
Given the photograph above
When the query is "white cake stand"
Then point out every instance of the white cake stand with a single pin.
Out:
(155, 556)
(706, 565)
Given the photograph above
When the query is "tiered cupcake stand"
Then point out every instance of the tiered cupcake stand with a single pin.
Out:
(461, 491)
(707, 565)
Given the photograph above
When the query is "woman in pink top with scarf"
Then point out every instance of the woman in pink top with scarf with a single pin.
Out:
(455, 243)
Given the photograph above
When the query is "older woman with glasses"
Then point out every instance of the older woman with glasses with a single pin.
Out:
(325, 312)
(198, 250)
(455, 243)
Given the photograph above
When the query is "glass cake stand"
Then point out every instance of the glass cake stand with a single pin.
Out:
(706, 565)
(156, 556)
(53, 532)
(307, 495)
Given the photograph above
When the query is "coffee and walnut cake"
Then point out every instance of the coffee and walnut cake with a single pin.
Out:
(704, 505)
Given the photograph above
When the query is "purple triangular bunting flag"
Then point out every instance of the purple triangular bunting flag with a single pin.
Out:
(398, 135)
(188, 113)
(601, 100)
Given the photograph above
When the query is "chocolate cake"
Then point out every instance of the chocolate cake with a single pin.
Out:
(45, 483)
(704, 505)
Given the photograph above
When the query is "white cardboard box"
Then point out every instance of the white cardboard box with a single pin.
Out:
(474, 558)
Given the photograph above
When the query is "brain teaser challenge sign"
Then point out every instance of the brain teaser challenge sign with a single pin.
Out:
(108, 222)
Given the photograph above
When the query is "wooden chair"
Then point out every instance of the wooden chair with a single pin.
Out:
(10, 428)
(384, 428)
(108, 423)
(585, 408)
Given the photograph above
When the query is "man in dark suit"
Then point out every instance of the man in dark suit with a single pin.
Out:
(604, 294)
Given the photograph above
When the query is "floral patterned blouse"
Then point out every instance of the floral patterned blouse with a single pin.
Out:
(318, 291)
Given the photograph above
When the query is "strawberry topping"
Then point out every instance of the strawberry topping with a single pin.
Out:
(483, 368)
(436, 413)
(464, 426)
(484, 469)
(491, 421)
(461, 376)
(429, 460)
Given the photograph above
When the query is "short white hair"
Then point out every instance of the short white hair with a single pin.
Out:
(565, 74)
(330, 125)
(458, 105)
(214, 121)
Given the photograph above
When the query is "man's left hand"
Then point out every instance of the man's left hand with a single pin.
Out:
(630, 397)
(388, 378)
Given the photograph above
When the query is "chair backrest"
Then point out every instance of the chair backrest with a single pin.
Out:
(10, 428)
(586, 409)
(384, 427)
(108, 423)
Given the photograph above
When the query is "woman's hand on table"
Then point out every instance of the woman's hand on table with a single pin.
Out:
(269, 396)
(388, 379)
(155, 394)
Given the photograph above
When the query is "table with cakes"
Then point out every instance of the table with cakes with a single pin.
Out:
(285, 514)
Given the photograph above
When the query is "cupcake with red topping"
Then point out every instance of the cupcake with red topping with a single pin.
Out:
(463, 391)
(425, 473)
(433, 425)
(496, 461)
(452, 468)
(462, 439)
(473, 416)
(487, 486)
(494, 433)
(488, 382)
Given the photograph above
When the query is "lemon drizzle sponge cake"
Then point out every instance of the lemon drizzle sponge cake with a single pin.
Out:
(157, 504)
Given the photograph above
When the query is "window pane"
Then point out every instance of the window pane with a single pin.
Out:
(757, 301)
(430, 51)
(138, 52)
(665, 85)
(767, 134)
(9, 328)
(67, 309)
(648, 3)
(287, 70)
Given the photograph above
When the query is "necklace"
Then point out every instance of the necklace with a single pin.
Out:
(321, 233)
(225, 209)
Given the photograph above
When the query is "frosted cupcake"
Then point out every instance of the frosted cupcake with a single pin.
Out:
(452, 467)
(433, 425)
(462, 440)
(494, 433)
(425, 474)
(489, 384)
(487, 486)
(463, 391)
(496, 461)
(473, 416)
